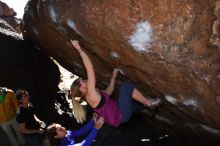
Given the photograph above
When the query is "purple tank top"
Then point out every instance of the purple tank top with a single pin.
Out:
(110, 111)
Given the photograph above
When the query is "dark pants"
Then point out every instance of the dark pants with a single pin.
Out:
(126, 103)
(33, 139)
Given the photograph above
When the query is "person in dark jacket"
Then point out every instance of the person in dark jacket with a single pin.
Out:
(29, 125)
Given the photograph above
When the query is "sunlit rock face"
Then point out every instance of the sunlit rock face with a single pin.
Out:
(167, 48)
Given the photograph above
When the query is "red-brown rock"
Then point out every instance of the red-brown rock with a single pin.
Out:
(168, 48)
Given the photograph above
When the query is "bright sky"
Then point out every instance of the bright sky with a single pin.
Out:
(17, 5)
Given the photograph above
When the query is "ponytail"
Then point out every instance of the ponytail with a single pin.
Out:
(78, 111)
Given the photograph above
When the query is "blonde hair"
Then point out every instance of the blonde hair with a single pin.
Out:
(78, 111)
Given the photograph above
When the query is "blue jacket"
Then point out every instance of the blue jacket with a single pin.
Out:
(68, 140)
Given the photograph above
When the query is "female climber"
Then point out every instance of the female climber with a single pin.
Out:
(114, 112)
(57, 135)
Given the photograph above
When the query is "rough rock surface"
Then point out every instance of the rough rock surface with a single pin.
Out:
(7, 15)
(168, 48)
(5, 10)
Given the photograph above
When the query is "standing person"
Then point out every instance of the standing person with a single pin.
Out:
(57, 135)
(29, 125)
(114, 112)
(8, 108)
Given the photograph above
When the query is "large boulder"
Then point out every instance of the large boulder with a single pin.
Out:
(167, 48)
